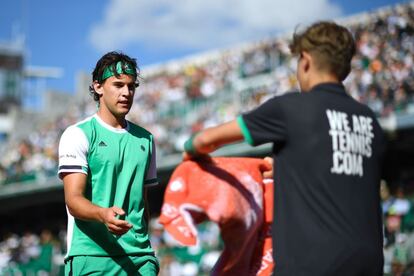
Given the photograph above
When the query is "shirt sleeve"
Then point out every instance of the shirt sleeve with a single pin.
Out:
(151, 175)
(73, 150)
(265, 124)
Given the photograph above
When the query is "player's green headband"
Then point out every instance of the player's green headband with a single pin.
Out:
(121, 68)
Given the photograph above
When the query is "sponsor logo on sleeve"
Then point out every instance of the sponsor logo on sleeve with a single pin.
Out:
(68, 155)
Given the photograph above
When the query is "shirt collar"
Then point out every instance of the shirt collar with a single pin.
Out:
(329, 86)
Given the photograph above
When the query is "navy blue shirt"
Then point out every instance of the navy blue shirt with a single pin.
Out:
(328, 151)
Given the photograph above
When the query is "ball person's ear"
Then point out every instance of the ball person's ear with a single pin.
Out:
(307, 60)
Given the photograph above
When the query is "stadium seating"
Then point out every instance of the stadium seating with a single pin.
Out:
(183, 96)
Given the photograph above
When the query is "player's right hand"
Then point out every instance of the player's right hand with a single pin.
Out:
(109, 218)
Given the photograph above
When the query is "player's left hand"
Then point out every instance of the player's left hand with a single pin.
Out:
(109, 218)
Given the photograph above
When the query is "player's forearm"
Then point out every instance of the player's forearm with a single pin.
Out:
(82, 208)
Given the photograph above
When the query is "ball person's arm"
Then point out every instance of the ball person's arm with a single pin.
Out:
(82, 208)
(212, 138)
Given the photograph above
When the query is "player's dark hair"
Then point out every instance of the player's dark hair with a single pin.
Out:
(107, 60)
(331, 45)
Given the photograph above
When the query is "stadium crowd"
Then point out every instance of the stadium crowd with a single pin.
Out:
(398, 218)
(179, 98)
(42, 252)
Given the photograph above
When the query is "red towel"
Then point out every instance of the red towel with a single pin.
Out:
(232, 193)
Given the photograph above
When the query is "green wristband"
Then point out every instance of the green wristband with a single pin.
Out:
(189, 145)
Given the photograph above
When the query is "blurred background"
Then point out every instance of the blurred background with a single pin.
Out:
(202, 64)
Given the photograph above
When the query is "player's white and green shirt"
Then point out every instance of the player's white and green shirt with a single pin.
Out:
(118, 164)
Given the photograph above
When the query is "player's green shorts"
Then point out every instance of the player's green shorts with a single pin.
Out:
(118, 265)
